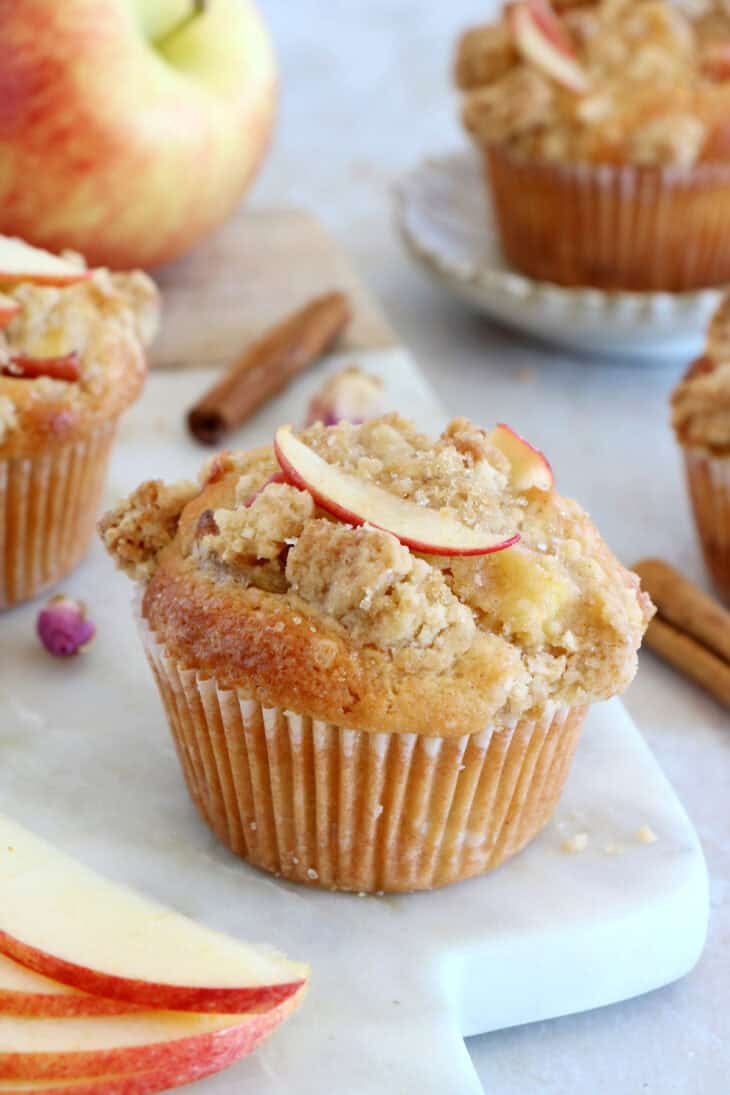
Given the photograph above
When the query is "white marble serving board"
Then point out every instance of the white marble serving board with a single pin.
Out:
(397, 982)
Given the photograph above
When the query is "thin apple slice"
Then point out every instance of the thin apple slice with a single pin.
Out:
(23, 992)
(542, 40)
(64, 921)
(9, 307)
(528, 466)
(19, 261)
(181, 1044)
(67, 367)
(358, 502)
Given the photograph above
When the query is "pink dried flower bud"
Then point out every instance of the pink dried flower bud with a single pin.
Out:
(63, 627)
(349, 396)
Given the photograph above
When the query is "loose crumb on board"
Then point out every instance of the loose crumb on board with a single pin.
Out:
(613, 849)
(645, 835)
(575, 844)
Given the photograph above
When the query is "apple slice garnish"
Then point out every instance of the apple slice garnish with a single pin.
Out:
(358, 502)
(23, 992)
(542, 39)
(124, 946)
(22, 367)
(179, 1046)
(9, 307)
(528, 466)
(19, 261)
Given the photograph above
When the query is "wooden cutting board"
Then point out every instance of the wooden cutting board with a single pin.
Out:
(243, 279)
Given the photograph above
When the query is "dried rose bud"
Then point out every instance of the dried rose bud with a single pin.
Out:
(349, 396)
(63, 627)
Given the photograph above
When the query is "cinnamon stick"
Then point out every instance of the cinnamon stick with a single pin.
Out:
(268, 366)
(685, 606)
(691, 630)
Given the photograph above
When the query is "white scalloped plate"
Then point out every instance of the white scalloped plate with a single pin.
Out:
(444, 218)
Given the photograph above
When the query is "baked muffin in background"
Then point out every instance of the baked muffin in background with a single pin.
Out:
(605, 136)
(701, 421)
(354, 713)
(71, 361)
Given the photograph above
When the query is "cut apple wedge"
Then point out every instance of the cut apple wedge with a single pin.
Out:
(21, 262)
(9, 307)
(358, 502)
(23, 992)
(64, 921)
(67, 367)
(181, 1044)
(541, 39)
(528, 466)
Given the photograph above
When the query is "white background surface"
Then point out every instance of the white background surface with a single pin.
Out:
(365, 94)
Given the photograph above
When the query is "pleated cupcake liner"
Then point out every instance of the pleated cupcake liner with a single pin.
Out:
(627, 227)
(360, 811)
(48, 509)
(708, 481)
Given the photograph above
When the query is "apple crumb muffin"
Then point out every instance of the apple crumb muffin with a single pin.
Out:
(331, 631)
(620, 106)
(71, 360)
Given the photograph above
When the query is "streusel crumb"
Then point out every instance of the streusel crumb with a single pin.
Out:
(143, 524)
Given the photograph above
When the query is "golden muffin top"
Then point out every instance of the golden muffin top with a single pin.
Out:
(262, 574)
(701, 400)
(603, 81)
(71, 355)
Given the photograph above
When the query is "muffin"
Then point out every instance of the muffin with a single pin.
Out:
(604, 132)
(71, 360)
(354, 713)
(701, 421)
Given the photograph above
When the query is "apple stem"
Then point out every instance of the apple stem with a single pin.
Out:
(198, 7)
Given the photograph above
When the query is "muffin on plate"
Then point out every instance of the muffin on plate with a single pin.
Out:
(376, 650)
(71, 360)
(701, 420)
(604, 131)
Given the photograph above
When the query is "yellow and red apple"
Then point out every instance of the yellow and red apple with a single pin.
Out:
(130, 128)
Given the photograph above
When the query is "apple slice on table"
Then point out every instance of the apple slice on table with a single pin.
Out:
(358, 502)
(21, 262)
(529, 467)
(64, 921)
(23, 992)
(178, 1045)
(9, 307)
(541, 39)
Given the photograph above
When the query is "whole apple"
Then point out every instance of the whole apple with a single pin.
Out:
(129, 128)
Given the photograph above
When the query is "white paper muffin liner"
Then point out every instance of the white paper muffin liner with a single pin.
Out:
(48, 509)
(355, 810)
(708, 481)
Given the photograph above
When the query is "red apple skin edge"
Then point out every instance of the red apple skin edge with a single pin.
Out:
(148, 993)
(213, 1051)
(293, 477)
(532, 448)
(48, 1005)
(48, 280)
(8, 309)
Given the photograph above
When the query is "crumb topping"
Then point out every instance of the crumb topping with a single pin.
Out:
(657, 84)
(95, 319)
(701, 400)
(555, 617)
(136, 530)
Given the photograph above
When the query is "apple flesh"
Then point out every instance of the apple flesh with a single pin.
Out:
(529, 468)
(23, 992)
(21, 262)
(542, 40)
(358, 503)
(123, 946)
(132, 127)
(180, 1045)
(9, 307)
